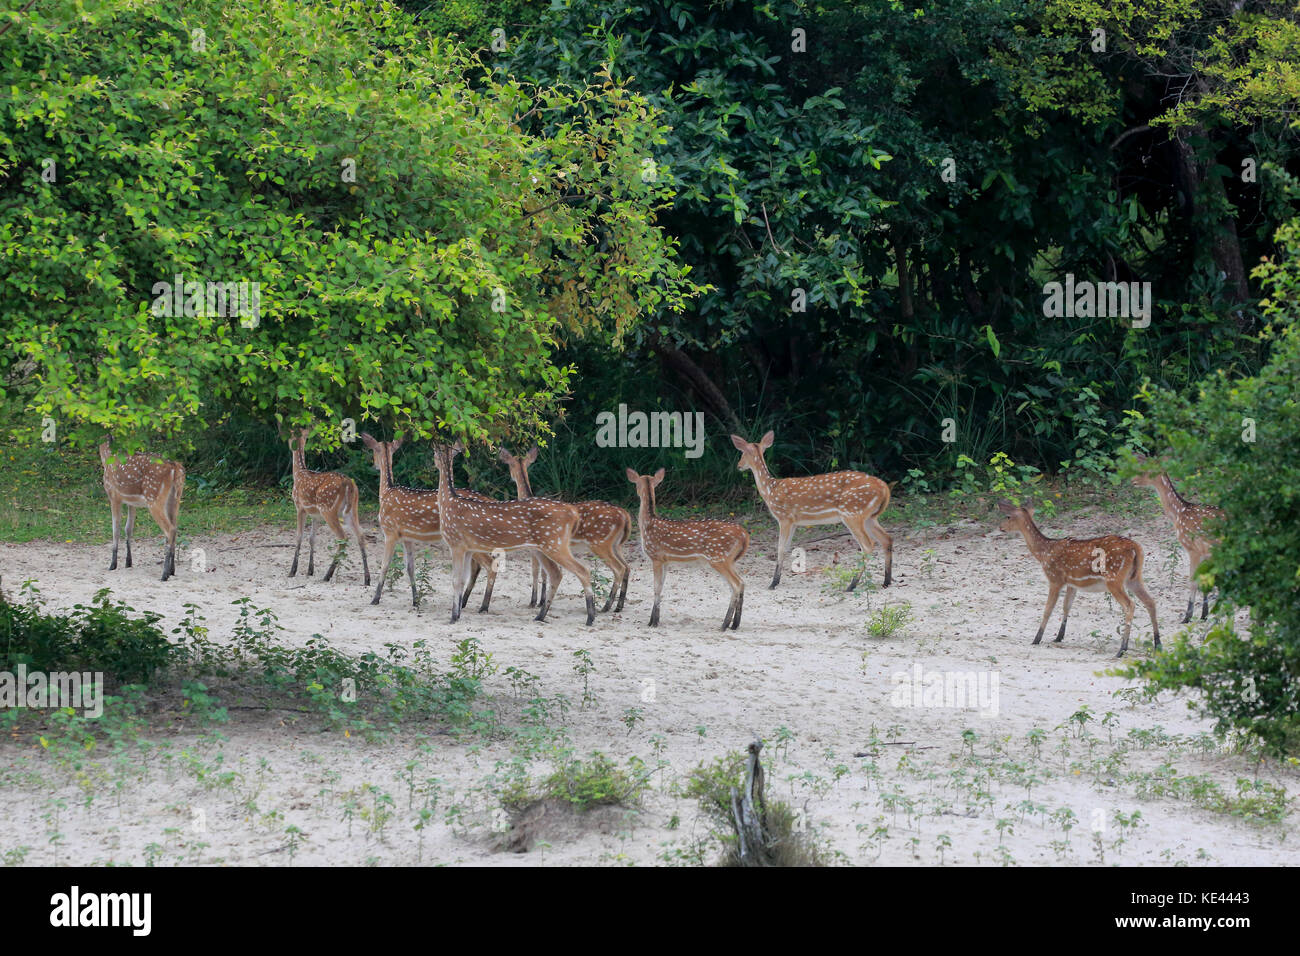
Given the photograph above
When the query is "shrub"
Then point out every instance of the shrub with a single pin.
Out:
(1235, 444)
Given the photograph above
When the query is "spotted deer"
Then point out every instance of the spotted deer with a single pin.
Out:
(851, 497)
(326, 495)
(1109, 563)
(407, 516)
(1190, 525)
(485, 526)
(667, 541)
(143, 480)
(604, 529)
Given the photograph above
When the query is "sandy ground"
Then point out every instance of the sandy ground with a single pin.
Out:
(802, 660)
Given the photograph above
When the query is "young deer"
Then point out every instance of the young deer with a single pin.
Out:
(143, 480)
(855, 498)
(1110, 563)
(407, 516)
(665, 541)
(604, 529)
(1189, 524)
(327, 495)
(485, 526)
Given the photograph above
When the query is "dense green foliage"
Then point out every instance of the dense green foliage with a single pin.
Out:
(1238, 442)
(822, 169)
(100, 637)
(419, 254)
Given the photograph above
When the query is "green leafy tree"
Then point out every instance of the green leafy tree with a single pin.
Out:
(1236, 441)
(423, 235)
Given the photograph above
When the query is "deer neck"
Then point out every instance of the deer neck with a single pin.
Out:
(523, 487)
(299, 458)
(1039, 544)
(1172, 504)
(764, 480)
(647, 513)
(386, 474)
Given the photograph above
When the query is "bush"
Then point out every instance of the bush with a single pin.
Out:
(99, 637)
(1236, 444)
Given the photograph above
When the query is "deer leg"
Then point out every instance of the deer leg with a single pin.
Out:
(408, 549)
(1191, 587)
(474, 567)
(784, 534)
(1065, 613)
(487, 589)
(459, 572)
(886, 541)
(302, 518)
(158, 510)
(390, 545)
(732, 620)
(339, 535)
(627, 572)
(311, 547)
(858, 528)
(1117, 591)
(1143, 595)
(566, 560)
(361, 543)
(532, 594)
(661, 569)
(553, 575)
(1053, 591)
(115, 505)
(618, 568)
(130, 530)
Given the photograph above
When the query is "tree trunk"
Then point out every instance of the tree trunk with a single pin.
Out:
(697, 378)
(1205, 196)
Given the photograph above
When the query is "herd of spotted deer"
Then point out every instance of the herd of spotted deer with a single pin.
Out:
(477, 528)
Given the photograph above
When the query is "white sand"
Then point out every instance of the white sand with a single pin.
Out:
(796, 662)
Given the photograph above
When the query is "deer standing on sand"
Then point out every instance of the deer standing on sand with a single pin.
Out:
(407, 516)
(604, 529)
(327, 495)
(1110, 563)
(855, 498)
(1189, 524)
(485, 526)
(665, 541)
(143, 480)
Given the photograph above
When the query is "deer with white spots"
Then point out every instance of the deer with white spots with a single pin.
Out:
(326, 495)
(667, 541)
(604, 529)
(852, 497)
(407, 516)
(1109, 563)
(1189, 524)
(143, 480)
(484, 526)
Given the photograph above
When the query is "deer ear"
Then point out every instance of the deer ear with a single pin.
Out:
(395, 444)
(368, 440)
(658, 477)
(739, 442)
(1006, 507)
(632, 476)
(504, 456)
(765, 442)
(531, 456)
(457, 448)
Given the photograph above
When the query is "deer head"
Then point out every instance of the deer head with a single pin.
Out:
(519, 469)
(383, 451)
(751, 454)
(443, 456)
(645, 485)
(1017, 518)
(1149, 479)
